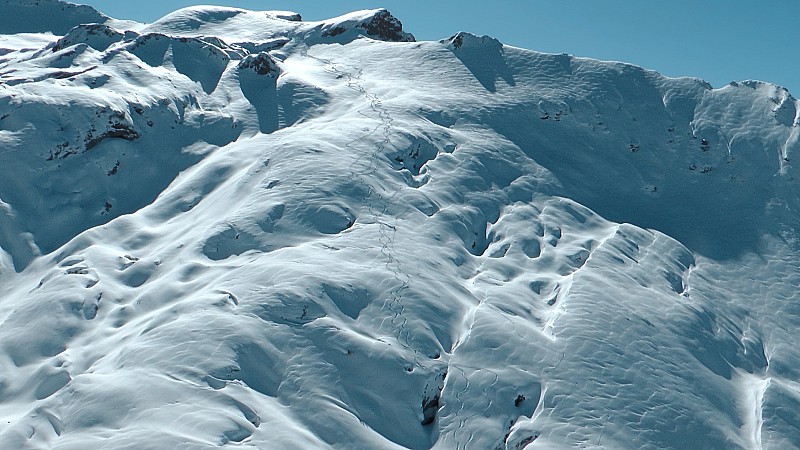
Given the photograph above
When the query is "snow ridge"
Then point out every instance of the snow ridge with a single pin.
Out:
(39, 16)
(235, 228)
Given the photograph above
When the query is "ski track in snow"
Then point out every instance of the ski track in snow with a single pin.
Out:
(348, 239)
(386, 230)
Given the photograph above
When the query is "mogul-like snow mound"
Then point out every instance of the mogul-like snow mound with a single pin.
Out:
(232, 228)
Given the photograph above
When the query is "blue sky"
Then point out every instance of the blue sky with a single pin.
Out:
(718, 41)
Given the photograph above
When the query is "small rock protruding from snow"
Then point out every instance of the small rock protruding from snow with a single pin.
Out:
(431, 399)
(261, 63)
(465, 39)
(286, 15)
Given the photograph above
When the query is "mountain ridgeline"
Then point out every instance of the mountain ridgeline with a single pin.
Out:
(238, 228)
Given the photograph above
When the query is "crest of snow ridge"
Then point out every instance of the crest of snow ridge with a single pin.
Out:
(232, 24)
(469, 300)
(96, 35)
(87, 84)
(37, 16)
(379, 24)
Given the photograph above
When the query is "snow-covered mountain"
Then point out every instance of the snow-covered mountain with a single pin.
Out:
(236, 228)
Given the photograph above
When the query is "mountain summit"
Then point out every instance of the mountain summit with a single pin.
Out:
(235, 228)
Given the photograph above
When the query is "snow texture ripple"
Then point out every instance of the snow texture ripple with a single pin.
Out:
(235, 228)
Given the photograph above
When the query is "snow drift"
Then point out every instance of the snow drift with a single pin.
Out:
(238, 228)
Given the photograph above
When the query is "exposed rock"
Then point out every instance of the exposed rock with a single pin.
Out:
(462, 38)
(386, 27)
(380, 25)
(286, 15)
(260, 63)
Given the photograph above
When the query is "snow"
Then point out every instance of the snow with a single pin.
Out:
(235, 228)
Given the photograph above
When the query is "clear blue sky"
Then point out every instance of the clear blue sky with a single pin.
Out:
(716, 40)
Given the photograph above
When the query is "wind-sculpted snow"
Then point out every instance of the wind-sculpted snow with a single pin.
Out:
(39, 16)
(235, 228)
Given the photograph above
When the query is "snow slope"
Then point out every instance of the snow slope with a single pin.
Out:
(235, 228)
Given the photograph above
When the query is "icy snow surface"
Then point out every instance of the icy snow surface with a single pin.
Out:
(237, 228)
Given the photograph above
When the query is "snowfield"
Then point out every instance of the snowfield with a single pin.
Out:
(234, 228)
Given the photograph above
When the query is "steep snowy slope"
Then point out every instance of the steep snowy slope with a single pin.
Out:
(236, 228)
